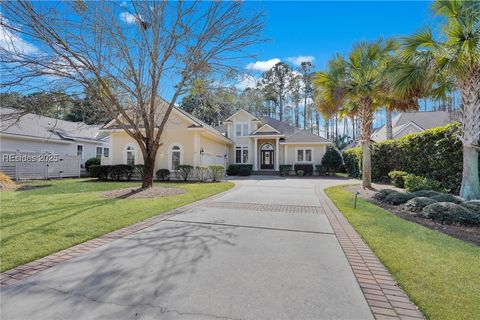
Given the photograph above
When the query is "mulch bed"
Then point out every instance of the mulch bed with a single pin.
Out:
(465, 233)
(139, 193)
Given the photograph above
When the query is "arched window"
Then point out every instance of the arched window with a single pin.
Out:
(130, 155)
(267, 146)
(175, 157)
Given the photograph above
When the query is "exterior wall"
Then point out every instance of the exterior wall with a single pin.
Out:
(175, 133)
(241, 117)
(291, 153)
(12, 144)
(53, 146)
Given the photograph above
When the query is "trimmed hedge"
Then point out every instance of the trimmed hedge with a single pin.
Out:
(332, 159)
(398, 178)
(418, 203)
(306, 168)
(216, 172)
(92, 162)
(185, 171)
(234, 169)
(163, 174)
(285, 168)
(116, 172)
(435, 154)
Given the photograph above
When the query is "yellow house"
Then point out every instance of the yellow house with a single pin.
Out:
(263, 142)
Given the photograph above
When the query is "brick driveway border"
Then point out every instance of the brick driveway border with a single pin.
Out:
(278, 208)
(27, 270)
(384, 296)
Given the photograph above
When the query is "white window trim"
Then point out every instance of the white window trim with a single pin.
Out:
(103, 152)
(304, 153)
(170, 155)
(243, 147)
(242, 134)
(83, 150)
(134, 153)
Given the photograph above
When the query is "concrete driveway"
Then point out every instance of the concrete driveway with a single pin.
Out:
(263, 251)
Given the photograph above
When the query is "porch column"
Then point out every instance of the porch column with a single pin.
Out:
(254, 155)
(196, 149)
(285, 154)
(277, 154)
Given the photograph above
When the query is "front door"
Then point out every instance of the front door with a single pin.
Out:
(266, 156)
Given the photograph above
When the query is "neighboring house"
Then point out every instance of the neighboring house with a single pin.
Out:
(34, 133)
(242, 139)
(412, 122)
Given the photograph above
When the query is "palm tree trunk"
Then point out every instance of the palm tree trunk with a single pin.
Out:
(366, 119)
(388, 125)
(470, 110)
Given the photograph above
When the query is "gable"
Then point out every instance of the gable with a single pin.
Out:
(407, 129)
(242, 116)
(266, 128)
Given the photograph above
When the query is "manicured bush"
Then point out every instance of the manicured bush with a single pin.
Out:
(163, 174)
(418, 203)
(234, 169)
(216, 172)
(445, 197)
(398, 178)
(332, 159)
(202, 173)
(352, 159)
(92, 162)
(382, 194)
(415, 183)
(448, 213)
(100, 172)
(472, 205)
(435, 154)
(244, 171)
(426, 193)
(397, 198)
(120, 172)
(300, 173)
(185, 171)
(140, 170)
(321, 169)
(306, 168)
(284, 169)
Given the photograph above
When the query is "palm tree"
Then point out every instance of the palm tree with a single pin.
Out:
(358, 82)
(453, 53)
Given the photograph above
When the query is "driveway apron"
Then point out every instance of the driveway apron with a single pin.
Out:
(263, 251)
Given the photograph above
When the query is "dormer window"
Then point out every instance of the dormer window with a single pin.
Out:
(241, 129)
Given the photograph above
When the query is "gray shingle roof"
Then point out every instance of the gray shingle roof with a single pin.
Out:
(291, 133)
(32, 125)
(424, 120)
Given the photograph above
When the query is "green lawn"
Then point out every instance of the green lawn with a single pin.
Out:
(439, 273)
(38, 222)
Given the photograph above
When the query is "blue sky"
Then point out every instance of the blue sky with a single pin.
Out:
(320, 29)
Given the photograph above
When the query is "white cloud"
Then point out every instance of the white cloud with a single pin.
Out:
(128, 18)
(299, 59)
(246, 81)
(13, 43)
(262, 65)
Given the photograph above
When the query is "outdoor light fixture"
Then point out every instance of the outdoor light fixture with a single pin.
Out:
(201, 151)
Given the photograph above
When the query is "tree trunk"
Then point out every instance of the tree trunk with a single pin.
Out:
(470, 110)
(280, 111)
(470, 182)
(317, 122)
(388, 125)
(366, 118)
(296, 116)
(149, 167)
(305, 113)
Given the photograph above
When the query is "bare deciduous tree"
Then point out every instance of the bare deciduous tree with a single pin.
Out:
(135, 53)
